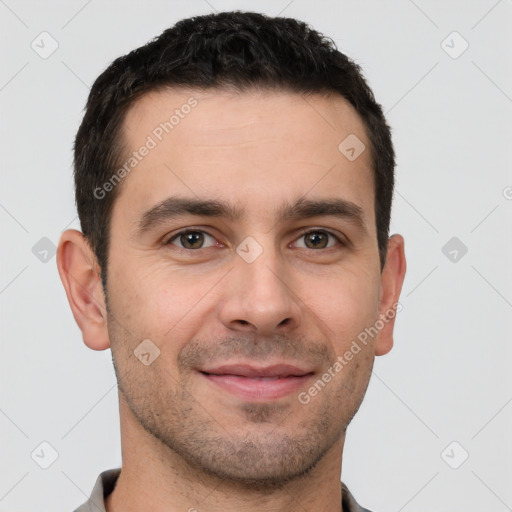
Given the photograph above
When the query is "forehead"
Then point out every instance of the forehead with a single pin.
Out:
(218, 117)
(253, 146)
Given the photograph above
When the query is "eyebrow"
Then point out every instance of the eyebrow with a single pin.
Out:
(174, 207)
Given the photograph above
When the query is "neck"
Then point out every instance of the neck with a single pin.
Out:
(155, 478)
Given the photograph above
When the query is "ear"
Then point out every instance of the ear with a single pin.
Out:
(392, 279)
(80, 275)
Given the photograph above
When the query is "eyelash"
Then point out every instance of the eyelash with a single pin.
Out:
(188, 230)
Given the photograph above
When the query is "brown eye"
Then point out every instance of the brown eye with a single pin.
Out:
(318, 239)
(191, 239)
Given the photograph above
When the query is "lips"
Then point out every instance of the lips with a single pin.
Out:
(244, 370)
(258, 383)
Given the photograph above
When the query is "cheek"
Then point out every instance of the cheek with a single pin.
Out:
(164, 308)
(171, 311)
(345, 305)
(133, 303)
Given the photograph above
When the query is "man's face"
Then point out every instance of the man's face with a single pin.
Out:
(247, 311)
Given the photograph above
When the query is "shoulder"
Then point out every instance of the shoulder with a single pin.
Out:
(104, 485)
(349, 502)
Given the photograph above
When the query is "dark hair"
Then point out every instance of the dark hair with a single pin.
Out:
(234, 50)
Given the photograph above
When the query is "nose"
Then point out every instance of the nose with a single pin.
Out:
(260, 297)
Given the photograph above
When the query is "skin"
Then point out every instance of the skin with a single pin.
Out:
(186, 443)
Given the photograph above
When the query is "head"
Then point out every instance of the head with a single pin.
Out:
(226, 224)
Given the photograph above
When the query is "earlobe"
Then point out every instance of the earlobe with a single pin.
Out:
(393, 275)
(79, 273)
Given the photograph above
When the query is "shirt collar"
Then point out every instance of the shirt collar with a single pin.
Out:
(106, 482)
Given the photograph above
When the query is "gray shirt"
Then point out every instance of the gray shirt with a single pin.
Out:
(107, 481)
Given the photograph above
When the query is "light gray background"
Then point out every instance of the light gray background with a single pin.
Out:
(448, 377)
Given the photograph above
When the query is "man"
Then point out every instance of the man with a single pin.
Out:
(234, 180)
